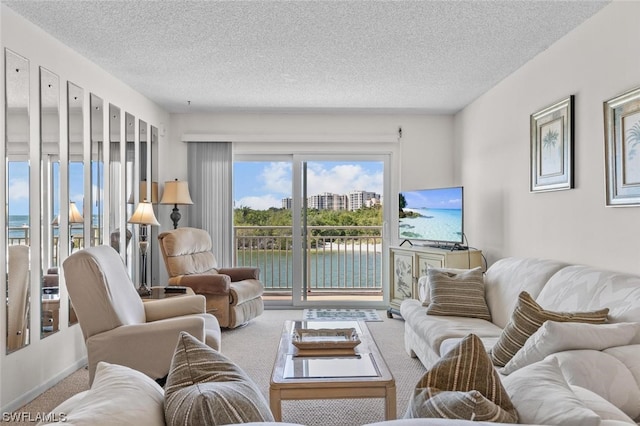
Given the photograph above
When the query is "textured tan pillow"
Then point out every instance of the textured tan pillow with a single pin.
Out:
(205, 388)
(527, 318)
(463, 385)
(457, 293)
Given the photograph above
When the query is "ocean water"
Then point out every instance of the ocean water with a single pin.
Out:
(433, 225)
(327, 270)
(19, 225)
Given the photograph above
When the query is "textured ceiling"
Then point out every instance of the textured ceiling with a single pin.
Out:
(421, 56)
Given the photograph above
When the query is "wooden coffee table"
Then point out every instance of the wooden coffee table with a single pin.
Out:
(362, 375)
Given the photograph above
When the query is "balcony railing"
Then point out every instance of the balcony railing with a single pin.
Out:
(345, 259)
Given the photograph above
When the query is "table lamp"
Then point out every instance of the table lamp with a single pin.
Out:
(74, 218)
(143, 216)
(176, 192)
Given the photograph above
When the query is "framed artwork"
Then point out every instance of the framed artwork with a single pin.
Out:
(622, 149)
(552, 147)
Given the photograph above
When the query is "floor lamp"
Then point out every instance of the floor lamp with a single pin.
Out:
(176, 192)
(143, 216)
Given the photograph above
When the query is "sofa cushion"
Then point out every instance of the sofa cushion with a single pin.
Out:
(600, 406)
(447, 386)
(508, 277)
(603, 374)
(205, 387)
(543, 397)
(554, 337)
(629, 355)
(527, 317)
(586, 288)
(457, 293)
(118, 396)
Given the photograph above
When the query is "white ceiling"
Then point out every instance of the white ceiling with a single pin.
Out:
(377, 56)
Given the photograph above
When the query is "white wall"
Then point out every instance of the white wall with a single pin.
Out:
(595, 62)
(422, 158)
(29, 371)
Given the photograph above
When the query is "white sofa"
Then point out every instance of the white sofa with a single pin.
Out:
(606, 381)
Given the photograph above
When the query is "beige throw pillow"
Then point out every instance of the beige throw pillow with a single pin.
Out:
(456, 292)
(206, 388)
(527, 318)
(463, 385)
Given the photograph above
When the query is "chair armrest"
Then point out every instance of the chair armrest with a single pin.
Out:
(241, 273)
(147, 347)
(175, 306)
(205, 283)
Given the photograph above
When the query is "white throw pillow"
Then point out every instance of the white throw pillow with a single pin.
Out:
(543, 397)
(603, 374)
(602, 407)
(423, 290)
(555, 336)
(119, 396)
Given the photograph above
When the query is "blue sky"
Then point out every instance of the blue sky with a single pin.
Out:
(260, 185)
(441, 198)
(19, 187)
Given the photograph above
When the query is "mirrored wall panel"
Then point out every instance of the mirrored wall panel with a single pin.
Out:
(49, 201)
(97, 171)
(130, 184)
(76, 210)
(18, 220)
(119, 238)
(152, 174)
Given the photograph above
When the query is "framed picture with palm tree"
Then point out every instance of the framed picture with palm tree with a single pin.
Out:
(622, 148)
(552, 147)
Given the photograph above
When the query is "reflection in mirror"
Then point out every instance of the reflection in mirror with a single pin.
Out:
(148, 192)
(117, 240)
(17, 199)
(152, 174)
(50, 200)
(130, 183)
(97, 171)
(75, 111)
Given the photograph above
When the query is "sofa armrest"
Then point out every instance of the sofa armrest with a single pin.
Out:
(174, 307)
(241, 273)
(216, 284)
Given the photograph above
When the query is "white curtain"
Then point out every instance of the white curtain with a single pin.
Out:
(211, 186)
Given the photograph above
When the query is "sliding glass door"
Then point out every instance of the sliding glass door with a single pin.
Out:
(313, 224)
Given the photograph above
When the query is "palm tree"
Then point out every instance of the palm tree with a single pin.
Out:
(633, 139)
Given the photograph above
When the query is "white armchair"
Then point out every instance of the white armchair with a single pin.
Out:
(118, 327)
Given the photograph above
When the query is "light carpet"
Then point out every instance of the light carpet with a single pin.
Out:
(341, 315)
(253, 347)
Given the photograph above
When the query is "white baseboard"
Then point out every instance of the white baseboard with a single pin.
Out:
(33, 393)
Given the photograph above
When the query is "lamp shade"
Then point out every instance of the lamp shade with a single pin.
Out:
(144, 214)
(176, 192)
(74, 214)
(143, 192)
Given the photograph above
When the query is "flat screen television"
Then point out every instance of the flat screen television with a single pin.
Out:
(434, 215)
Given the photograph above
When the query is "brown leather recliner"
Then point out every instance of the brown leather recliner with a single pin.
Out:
(234, 295)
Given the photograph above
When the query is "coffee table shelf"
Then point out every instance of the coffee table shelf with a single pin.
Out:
(334, 377)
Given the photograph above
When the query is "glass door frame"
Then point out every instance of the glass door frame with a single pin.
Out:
(298, 296)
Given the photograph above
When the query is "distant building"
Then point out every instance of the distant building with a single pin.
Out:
(327, 201)
(287, 203)
(360, 199)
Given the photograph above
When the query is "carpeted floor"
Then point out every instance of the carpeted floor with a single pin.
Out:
(254, 347)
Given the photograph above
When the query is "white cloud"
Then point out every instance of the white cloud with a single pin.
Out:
(277, 178)
(18, 189)
(342, 179)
